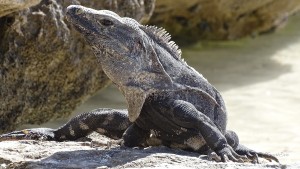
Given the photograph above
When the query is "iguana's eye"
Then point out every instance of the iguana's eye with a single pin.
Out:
(106, 22)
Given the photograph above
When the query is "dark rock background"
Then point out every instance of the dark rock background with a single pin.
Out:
(46, 68)
(189, 21)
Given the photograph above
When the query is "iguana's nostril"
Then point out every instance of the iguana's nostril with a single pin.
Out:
(106, 22)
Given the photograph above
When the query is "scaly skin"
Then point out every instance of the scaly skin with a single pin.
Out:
(168, 101)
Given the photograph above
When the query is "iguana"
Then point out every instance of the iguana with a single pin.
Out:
(168, 101)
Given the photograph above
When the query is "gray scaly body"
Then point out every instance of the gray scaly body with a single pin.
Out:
(168, 101)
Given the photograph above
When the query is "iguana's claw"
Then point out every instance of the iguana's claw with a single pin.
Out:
(29, 134)
(253, 155)
(253, 158)
(228, 154)
(268, 157)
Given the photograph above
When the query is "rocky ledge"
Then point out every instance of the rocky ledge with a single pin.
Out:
(100, 152)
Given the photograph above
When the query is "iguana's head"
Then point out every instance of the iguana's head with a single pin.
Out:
(128, 52)
(116, 41)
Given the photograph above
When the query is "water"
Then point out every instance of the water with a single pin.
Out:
(259, 79)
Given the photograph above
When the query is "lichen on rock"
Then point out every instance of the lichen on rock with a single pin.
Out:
(9, 6)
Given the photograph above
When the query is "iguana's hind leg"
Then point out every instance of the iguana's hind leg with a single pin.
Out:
(252, 155)
(110, 122)
(186, 115)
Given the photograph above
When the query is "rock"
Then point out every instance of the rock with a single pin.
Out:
(46, 68)
(50, 154)
(140, 10)
(9, 6)
(192, 20)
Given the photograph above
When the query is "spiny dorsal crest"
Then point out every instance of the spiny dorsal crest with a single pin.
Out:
(161, 36)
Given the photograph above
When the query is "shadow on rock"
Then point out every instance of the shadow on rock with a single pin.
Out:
(112, 158)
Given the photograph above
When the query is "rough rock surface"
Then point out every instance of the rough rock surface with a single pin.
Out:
(9, 6)
(104, 153)
(221, 19)
(46, 68)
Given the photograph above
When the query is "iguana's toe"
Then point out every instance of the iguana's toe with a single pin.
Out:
(253, 155)
(212, 156)
(253, 158)
(268, 157)
(228, 154)
(29, 134)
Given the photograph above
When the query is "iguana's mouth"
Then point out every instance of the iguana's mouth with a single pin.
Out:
(84, 26)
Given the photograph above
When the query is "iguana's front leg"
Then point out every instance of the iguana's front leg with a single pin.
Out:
(135, 136)
(109, 122)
